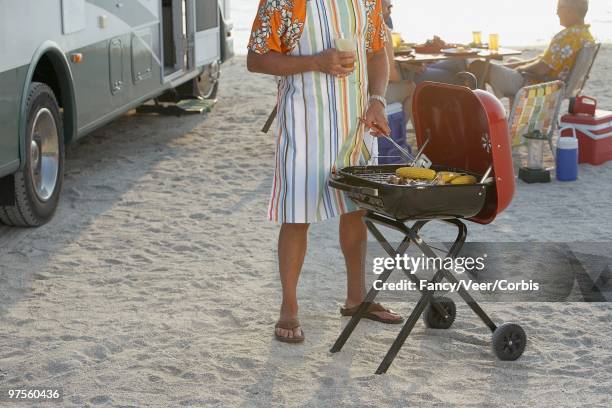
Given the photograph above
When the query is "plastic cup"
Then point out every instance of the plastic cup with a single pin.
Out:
(345, 45)
(396, 39)
(494, 42)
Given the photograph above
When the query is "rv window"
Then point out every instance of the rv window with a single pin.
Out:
(207, 15)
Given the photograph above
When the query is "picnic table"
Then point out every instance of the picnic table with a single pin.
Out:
(487, 55)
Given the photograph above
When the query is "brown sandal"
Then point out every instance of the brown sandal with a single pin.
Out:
(288, 325)
(370, 313)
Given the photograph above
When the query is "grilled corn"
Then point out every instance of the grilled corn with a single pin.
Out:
(415, 173)
(464, 179)
(447, 176)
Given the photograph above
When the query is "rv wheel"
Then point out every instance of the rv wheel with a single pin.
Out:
(37, 187)
(208, 82)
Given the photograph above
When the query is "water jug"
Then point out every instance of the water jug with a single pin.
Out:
(567, 158)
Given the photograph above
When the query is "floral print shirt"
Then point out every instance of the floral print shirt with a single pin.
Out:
(279, 23)
(563, 50)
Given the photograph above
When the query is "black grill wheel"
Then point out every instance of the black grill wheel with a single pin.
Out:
(434, 319)
(509, 341)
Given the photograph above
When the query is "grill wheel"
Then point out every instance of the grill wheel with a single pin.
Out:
(434, 319)
(509, 341)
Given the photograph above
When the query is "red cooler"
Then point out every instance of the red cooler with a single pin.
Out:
(594, 135)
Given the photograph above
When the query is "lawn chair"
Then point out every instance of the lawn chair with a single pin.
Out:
(536, 108)
(581, 71)
(533, 105)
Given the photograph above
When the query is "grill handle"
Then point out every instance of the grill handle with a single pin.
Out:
(487, 174)
(337, 183)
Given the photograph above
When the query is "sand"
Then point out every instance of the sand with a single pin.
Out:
(156, 284)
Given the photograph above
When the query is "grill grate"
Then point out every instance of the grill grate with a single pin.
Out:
(381, 177)
(376, 177)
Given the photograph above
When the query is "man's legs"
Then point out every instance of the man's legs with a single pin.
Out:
(504, 81)
(443, 71)
(292, 243)
(353, 241)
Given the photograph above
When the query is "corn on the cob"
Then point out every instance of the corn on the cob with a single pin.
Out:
(447, 176)
(464, 179)
(415, 173)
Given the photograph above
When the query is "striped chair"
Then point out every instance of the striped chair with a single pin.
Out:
(536, 107)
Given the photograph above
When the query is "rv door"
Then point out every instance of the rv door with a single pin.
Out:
(207, 40)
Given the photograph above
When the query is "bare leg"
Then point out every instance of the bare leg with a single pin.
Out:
(353, 241)
(480, 69)
(292, 243)
(407, 104)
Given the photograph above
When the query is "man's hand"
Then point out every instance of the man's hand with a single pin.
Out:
(376, 120)
(537, 69)
(334, 62)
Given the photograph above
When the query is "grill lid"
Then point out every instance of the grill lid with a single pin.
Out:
(468, 130)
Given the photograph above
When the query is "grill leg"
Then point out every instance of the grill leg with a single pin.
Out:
(412, 233)
(403, 334)
(471, 302)
(348, 329)
(392, 252)
(454, 251)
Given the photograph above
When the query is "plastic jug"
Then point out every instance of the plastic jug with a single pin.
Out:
(567, 158)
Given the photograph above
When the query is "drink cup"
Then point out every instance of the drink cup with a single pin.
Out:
(477, 38)
(345, 45)
(396, 40)
(494, 42)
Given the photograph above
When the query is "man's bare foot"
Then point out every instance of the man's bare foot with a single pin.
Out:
(289, 334)
(390, 315)
(288, 327)
(289, 331)
(375, 312)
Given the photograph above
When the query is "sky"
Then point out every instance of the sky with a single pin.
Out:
(518, 22)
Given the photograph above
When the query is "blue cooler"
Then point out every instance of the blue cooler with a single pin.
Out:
(387, 153)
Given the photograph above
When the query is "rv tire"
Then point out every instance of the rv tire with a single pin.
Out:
(38, 185)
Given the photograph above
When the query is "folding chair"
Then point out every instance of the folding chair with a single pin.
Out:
(581, 70)
(536, 107)
(533, 100)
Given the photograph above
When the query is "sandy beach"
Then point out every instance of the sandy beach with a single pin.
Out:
(156, 283)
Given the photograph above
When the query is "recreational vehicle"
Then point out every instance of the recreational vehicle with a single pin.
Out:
(69, 66)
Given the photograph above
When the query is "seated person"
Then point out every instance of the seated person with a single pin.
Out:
(402, 80)
(442, 71)
(556, 63)
(399, 89)
(387, 5)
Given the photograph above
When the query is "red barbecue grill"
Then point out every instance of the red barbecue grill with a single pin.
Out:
(464, 131)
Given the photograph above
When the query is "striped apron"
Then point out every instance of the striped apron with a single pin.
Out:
(318, 120)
